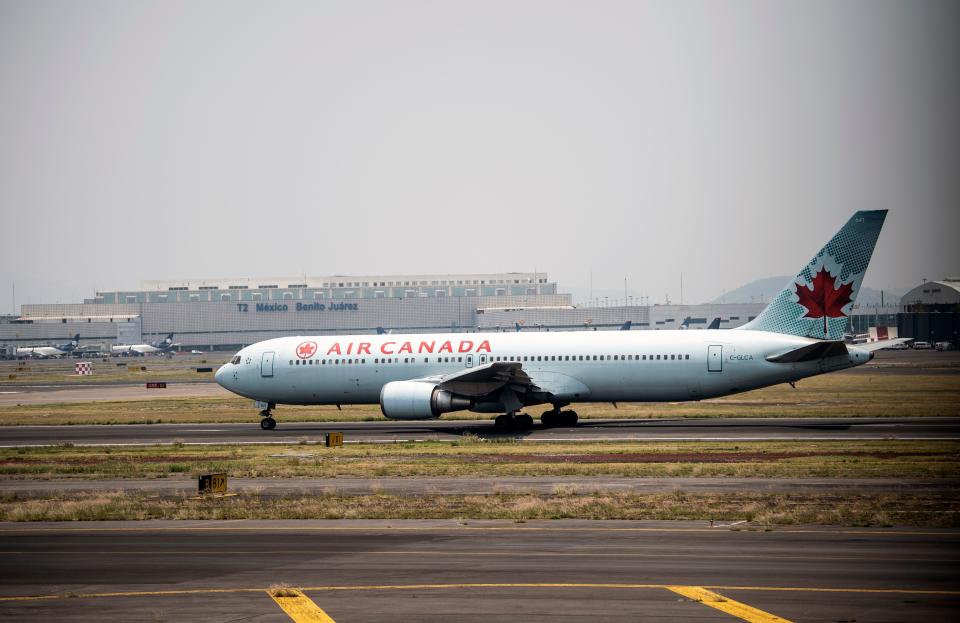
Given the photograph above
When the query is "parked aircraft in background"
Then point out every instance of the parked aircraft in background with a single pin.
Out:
(799, 334)
(160, 346)
(55, 350)
(685, 325)
(89, 350)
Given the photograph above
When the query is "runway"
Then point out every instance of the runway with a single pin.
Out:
(734, 429)
(17, 395)
(474, 571)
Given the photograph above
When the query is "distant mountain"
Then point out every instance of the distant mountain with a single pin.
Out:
(762, 290)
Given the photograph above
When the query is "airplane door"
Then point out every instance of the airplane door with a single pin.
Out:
(468, 361)
(266, 364)
(714, 358)
(481, 360)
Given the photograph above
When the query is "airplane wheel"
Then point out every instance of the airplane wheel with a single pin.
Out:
(549, 419)
(523, 422)
(503, 422)
(268, 423)
(568, 418)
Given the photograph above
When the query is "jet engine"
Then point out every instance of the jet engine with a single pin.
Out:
(413, 400)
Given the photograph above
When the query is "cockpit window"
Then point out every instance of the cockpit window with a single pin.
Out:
(235, 360)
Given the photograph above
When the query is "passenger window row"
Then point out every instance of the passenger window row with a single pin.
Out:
(498, 358)
(533, 358)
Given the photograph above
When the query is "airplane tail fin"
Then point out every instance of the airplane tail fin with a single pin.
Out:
(817, 302)
(715, 324)
(76, 339)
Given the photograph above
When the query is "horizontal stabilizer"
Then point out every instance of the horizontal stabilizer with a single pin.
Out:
(872, 346)
(811, 352)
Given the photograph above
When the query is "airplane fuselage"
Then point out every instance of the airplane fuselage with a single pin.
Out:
(580, 366)
(41, 352)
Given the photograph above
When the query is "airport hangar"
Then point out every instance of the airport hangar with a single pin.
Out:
(227, 314)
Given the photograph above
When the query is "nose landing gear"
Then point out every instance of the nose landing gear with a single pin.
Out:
(266, 421)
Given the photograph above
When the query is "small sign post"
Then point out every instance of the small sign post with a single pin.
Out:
(334, 440)
(213, 483)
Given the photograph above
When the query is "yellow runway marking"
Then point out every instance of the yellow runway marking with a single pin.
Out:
(725, 604)
(299, 607)
(385, 587)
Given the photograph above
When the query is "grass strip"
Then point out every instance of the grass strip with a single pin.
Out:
(471, 457)
(932, 511)
(831, 395)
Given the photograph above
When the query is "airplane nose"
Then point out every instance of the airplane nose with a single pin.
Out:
(221, 375)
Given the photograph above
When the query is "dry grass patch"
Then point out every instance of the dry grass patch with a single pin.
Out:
(766, 509)
(884, 393)
(855, 459)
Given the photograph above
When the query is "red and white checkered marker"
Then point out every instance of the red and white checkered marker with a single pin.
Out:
(84, 368)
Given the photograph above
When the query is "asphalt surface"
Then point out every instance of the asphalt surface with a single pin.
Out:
(588, 430)
(427, 485)
(473, 571)
(122, 392)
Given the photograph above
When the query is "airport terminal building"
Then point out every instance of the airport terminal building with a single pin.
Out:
(227, 314)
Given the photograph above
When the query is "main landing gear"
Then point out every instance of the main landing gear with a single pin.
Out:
(267, 422)
(556, 417)
(513, 421)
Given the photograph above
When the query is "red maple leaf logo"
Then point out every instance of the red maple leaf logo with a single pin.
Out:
(306, 349)
(825, 300)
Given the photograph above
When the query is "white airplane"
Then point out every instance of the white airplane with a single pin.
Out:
(160, 346)
(55, 350)
(416, 377)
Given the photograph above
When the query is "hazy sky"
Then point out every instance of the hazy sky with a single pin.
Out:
(722, 140)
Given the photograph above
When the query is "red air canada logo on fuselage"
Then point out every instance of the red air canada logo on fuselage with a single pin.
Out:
(399, 348)
(306, 349)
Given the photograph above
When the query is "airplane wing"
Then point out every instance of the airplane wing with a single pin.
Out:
(507, 383)
(484, 380)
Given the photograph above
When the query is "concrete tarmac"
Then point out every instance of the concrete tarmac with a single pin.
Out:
(734, 429)
(475, 571)
(17, 395)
